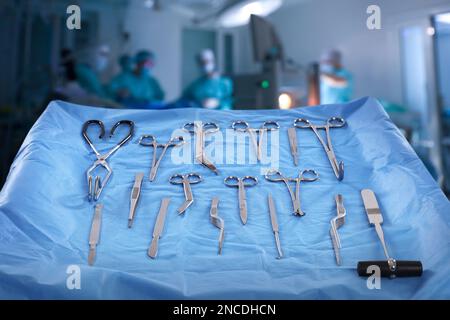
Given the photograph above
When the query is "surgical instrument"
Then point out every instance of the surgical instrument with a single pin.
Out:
(257, 140)
(241, 184)
(149, 140)
(274, 222)
(96, 189)
(186, 180)
(391, 268)
(305, 175)
(336, 223)
(217, 221)
(158, 228)
(135, 193)
(200, 130)
(333, 122)
(292, 135)
(94, 236)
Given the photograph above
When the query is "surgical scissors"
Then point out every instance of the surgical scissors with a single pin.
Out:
(257, 140)
(200, 130)
(186, 180)
(96, 189)
(149, 140)
(307, 175)
(241, 183)
(333, 122)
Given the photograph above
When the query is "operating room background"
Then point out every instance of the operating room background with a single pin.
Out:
(404, 64)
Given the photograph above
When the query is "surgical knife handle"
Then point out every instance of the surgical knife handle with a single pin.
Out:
(403, 268)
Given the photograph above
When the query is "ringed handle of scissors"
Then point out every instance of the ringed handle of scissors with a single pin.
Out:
(270, 125)
(336, 122)
(210, 127)
(309, 175)
(231, 181)
(176, 141)
(192, 178)
(249, 181)
(274, 176)
(240, 125)
(302, 123)
(151, 140)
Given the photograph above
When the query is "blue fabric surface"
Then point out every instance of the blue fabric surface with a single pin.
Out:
(45, 217)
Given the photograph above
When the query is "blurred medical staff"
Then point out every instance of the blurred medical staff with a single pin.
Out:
(211, 90)
(118, 87)
(88, 73)
(336, 83)
(143, 87)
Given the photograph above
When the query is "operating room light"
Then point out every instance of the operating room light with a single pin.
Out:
(239, 13)
(284, 101)
(443, 18)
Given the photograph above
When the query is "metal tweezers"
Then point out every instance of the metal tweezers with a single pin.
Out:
(336, 223)
(275, 228)
(217, 221)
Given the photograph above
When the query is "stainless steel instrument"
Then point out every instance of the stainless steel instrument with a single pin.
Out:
(158, 228)
(241, 184)
(217, 221)
(336, 223)
(135, 193)
(274, 222)
(186, 180)
(94, 237)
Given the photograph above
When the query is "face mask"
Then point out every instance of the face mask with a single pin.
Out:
(208, 67)
(101, 63)
(327, 68)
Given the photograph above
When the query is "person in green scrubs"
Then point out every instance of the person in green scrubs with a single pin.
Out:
(211, 90)
(336, 83)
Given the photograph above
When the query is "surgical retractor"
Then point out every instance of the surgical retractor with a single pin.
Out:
(217, 221)
(94, 236)
(336, 223)
(390, 268)
(135, 193)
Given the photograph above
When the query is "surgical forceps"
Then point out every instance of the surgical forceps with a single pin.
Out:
(149, 140)
(305, 175)
(257, 140)
(217, 221)
(333, 122)
(186, 180)
(336, 223)
(200, 130)
(96, 189)
(241, 184)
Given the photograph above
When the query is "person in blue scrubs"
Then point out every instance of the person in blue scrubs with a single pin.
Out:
(211, 90)
(336, 83)
(87, 74)
(118, 87)
(144, 88)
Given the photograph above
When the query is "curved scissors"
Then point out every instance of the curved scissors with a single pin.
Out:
(186, 180)
(96, 189)
(333, 122)
(241, 184)
(149, 140)
(256, 134)
(307, 175)
(200, 130)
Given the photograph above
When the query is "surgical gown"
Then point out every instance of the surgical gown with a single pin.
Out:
(331, 93)
(143, 88)
(220, 88)
(89, 81)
